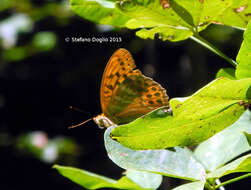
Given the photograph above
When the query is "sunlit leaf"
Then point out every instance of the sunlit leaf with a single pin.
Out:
(226, 145)
(242, 164)
(93, 181)
(243, 69)
(178, 22)
(226, 72)
(208, 111)
(99, 11)
(198, 185)
(248, 136)
(236, 14)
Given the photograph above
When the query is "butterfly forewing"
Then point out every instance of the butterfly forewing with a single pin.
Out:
(127, 94)
(118, 66)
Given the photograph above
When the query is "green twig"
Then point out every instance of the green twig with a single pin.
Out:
(208, 186)
(233, 180)
(196, 37)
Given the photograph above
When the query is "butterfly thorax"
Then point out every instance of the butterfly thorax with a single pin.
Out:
(102, 121)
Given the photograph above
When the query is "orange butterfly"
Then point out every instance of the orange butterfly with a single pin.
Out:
(126, 93)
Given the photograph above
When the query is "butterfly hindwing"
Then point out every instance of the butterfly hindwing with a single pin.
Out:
(145, 96)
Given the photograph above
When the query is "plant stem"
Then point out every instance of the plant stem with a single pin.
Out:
(218, 182)
(233, 180)
(196, 37)
(208, 186)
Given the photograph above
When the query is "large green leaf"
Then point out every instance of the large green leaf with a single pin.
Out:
(93, 181)
(237, 14)
(226, 145)
(243, 69)
(248, 136)
(179, 163)
(99, 11)
(173, 24)
(242, 164)
(180, 21)
(145, 179)
(208, 111)
(198, 185)
(226, 72)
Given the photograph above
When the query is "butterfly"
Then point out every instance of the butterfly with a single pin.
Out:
(126, 93)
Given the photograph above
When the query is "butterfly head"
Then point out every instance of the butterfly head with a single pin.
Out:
(102, 121)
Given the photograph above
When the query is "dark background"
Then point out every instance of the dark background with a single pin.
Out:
(36, 92)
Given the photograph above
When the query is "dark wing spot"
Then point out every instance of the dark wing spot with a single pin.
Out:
(123, 68)
(110, 76)
(139, 82)
(109, 87)
(147, 85)
(106, 92)
(117, 74)
(157, 94)
(122, 63)
(154, 89)
(148, 95)
(151, 102)
(117, 83)
(159, 101)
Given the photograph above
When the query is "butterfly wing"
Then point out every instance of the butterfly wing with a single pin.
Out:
(118, 66)
(127, 94)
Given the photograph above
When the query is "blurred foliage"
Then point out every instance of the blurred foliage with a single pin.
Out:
(41, 42)
(24, 17)
(45, 149)
(59, 10)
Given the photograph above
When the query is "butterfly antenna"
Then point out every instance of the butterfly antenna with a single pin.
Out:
(82, 123)
(78, 110)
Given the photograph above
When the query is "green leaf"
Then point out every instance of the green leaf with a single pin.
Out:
(84, 178)
(93, 181)
(180, 21)
(237, 13)
(179, 163)
(165, 33)
(226, 145)
(168, 23)
(243, 69)
(144, 179)
(99, 11)
(198, 185)
(226, 72)
(208, 111)
(242, 164)
(248, 136)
